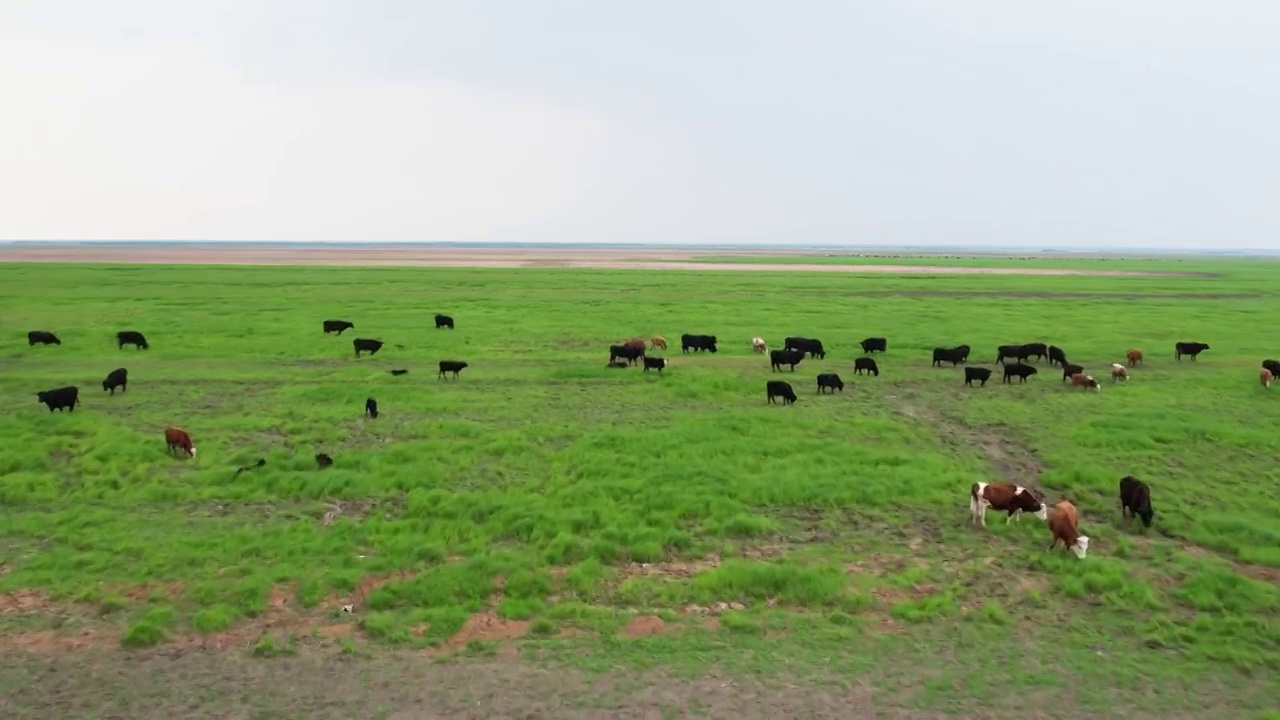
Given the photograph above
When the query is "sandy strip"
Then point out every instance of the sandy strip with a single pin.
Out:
(594, 258)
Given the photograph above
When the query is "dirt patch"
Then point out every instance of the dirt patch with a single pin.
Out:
(1012, 462)
(372, 255)
(486, 626)
(671, 570)
(27, 601)
(144, 591)
(645, 626)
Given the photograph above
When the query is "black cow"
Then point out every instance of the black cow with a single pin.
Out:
(955, 355)
(43, 337)
(131, 337)
(1040, 350)
(1007, 351)
(118, 378)
(323, 460)
(399, 371)
(655, 363)
(778, 388)
(860, 364)
(371, 408)
(778, 358)
(451, 366)
(980, 374)
(813, 347)
(59, 398)
(871, 345)
(1188, 348)
(830, 380)
(698, 343)
(1273, 366)
(1057, 356)
(365, 345)
(444, 321)
(337, 326)
(1135, 499)
(1070, 369)
(630, 353)
(1022, 372)
(616, 365)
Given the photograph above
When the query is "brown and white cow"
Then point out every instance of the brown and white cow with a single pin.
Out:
(1118, 372)
(1010, 498)
(1085, 381)
(1064, 523)
(1134, 356)
(657, 341)
(757, 344)
(1265, 377)
(177, 438)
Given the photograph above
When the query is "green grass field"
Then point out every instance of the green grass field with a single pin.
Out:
(667, 527)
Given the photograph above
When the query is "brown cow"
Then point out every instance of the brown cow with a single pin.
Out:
(176, 438)
(1064, 523)
(1265, 377)
(757, 344)
(1011, 498)
(637, 343)
(1135, 357)
(1118, 372)
(658, 342)
(1085, 381)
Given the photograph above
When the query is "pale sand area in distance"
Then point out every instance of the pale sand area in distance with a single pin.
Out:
(390, 256)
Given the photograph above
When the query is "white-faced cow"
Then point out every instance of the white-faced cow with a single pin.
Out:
(1064, 524)
(1007, 497)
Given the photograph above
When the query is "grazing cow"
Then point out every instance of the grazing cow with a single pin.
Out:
(262, 462)
(1273, 366)
(1006, 497)
(1057, 356)
(757, 344)
(399, 371)
(118, 378)
(698, 343)
(1188, 348)
(1022, 372)
(1007, 351)
(177, 439)
(980, 374)
(131, 337)
(1081, 380)
(874, 344)
(1118, 372)
(1040, 350)
(1069, 369)
(1134, 356)
(43, 337)
(813, 347)
(443, 321)
(371, 408)
(637, 343)
(338, 326)
(658, 342)
(365, 345)
(59, 398)
(955, 355)
(655, 363)
(1064, 523)
(630, 354)
(778, 388)
(450, 366)
(1135, 500)
(860, 364)
(1265, 377)
(830, 380)
(323, 460)
(778, 358)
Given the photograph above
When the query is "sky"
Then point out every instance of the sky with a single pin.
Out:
(1041, 124)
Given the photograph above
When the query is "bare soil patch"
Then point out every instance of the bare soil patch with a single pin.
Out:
(416, 256)
(1012, 462)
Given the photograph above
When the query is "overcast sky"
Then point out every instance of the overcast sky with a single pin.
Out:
(1036, 123)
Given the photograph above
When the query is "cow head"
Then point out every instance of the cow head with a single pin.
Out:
(192, 450)
(55, 339)
(40, 396)
(1146, 514)
(1081, 547)
(1024, 500)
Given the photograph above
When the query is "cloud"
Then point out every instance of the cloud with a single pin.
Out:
(156, 142)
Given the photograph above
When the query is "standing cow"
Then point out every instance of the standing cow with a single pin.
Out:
(1188, 348)
(778, 388)
(59, 398)
(1135, 500)
(757, 345)
(131, 337)
(778, 358)
(43, 337)
(444, 321)
(177, 439)
(1007, 497)
(1064, 524)
(118, 378)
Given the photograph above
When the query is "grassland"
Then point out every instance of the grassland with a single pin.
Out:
(544, 525)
